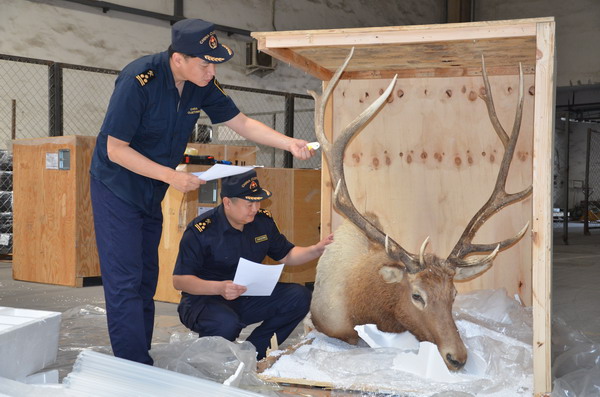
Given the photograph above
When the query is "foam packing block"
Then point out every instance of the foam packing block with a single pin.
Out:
(28, 341)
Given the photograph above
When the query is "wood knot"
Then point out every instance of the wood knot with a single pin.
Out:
(388, 160)
(424, 155)
(483, 154)
(492, 158)
(438, 157)
(470, 160)
(375, 162)
(400, 154)
(449, 93)
(356, 157)
(523, 155)
(472, 96)
(532, 90)
(457, 161)
(409, 159)
(400, 93)
(463, 89)
(482, 91)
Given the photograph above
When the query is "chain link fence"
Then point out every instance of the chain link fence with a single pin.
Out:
(592, 181)
(40, 98)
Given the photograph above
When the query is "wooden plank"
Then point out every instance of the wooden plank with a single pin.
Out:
(452, 56)
(542, 209)
(298, 61)
(88, 263)
(306, 196)
(399, 34)
(178, 209)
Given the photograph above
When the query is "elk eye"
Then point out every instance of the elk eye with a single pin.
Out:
(418, 298)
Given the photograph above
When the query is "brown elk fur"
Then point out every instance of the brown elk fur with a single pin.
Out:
(352, 274)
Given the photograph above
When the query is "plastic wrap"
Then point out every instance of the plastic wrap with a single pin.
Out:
(576, 362)
(494, 328)
(213, 358)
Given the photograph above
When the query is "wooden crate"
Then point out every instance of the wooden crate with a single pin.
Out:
(54, 239)
(429, 158)
(295, 205)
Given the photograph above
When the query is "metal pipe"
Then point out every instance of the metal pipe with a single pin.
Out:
(107, 6)
(566, 178)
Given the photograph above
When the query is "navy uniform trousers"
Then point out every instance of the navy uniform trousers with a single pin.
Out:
(127, 240)
(280, 313)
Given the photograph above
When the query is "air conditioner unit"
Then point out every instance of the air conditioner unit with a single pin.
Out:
(258, 62)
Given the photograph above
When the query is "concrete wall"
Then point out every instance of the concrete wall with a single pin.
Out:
(67, 32)
(577, 32)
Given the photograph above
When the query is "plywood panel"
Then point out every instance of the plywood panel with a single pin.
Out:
(428, 161)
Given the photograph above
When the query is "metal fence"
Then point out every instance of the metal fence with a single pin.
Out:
(591, 187)
(40, 98)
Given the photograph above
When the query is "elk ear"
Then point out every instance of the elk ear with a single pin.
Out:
(391, 274)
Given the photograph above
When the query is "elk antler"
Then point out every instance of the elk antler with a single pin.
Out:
(498, 199)
(334, 155)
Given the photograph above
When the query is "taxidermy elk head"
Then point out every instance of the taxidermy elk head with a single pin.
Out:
(367, 277)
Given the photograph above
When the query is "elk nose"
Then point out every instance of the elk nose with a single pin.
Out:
(455, 363)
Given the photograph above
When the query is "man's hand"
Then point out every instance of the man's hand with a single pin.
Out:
(184, 181)
(299, 150)
(320, 246)
(232, 291)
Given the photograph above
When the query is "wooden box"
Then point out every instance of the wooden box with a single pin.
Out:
(295, 205)
(54, 239)
(428, 160)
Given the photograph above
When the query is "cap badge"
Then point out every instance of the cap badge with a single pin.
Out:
(212, 42)
(253, 185)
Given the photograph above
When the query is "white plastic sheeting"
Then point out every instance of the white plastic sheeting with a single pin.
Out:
(494, 327)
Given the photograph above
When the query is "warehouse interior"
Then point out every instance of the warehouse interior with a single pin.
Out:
(57, 72)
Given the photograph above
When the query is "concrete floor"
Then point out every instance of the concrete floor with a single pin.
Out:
(576, 296)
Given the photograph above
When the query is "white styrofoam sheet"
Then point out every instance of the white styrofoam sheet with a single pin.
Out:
(28, 341)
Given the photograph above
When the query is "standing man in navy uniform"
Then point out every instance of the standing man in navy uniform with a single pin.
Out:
(155, 104)
(209, 252)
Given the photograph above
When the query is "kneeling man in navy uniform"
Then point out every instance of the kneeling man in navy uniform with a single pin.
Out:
(209, 252)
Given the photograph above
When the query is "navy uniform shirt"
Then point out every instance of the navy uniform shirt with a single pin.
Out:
(211, 248)
(145, 110)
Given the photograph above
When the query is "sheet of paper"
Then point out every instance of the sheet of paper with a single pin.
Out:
(221, 171)
(259, 279)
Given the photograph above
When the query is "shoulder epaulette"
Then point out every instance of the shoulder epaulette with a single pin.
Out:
(144, 78)
(216, 83)
(265, 212)
(203, 224)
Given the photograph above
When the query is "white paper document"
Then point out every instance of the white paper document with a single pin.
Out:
(221, 171)
(259, 279)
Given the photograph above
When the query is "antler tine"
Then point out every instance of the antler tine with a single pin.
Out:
(334, 155)
(499, 198)
(321, 103)
(489, 103)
